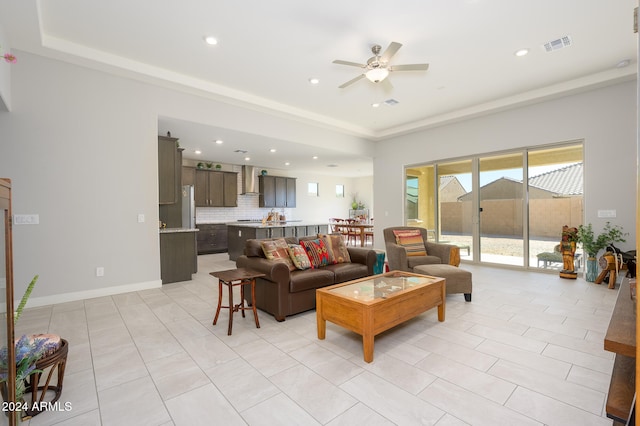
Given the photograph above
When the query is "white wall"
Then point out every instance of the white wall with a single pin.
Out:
(605, 118)
(81, 149)
(5, 74)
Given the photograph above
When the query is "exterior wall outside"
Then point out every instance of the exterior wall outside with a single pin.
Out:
(504, 217)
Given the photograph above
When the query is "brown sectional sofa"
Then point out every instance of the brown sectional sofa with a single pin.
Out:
(282, 292)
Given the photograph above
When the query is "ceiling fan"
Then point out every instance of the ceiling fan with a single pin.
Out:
(377, 67)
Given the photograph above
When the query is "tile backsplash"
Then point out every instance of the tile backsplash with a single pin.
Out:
(247, 209)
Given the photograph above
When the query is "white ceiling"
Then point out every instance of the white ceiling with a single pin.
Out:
(268, 50)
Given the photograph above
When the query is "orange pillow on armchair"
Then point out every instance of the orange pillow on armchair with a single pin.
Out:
(412, 241)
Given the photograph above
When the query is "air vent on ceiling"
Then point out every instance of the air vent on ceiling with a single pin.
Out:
(391, 102)
(559, 43)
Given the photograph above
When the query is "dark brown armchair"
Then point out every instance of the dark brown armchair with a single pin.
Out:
(436, 253)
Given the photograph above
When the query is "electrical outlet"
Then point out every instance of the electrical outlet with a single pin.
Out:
(140, 217)
(100, 271)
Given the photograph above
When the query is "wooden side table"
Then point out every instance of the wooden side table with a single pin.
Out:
(231, 278)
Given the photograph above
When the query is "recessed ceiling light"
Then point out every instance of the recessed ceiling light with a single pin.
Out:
(211, 40)
(247, 159)
(314, 80)
(522, 52)
(197, 151)
(287, 163)
(219, 142)
(315, 157)
(272, 150)
(375, 105)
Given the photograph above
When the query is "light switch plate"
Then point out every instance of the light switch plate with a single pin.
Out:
(26, 219)
(606, 213)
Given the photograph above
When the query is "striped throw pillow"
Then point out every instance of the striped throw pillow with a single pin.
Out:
(412, 241)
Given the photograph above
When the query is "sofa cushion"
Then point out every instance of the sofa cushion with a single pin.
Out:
(412, 241)
(414, 261)
(277, 250)
(338, 247)
(299, 256)
(310, 279)
(319, 252)
(347, 271)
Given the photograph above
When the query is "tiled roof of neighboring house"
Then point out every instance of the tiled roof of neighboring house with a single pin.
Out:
(564, 181)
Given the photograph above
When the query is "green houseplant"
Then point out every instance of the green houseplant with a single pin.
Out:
(592, 245)
(27, 352)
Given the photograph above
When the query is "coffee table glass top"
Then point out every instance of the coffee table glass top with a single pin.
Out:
(382, 286)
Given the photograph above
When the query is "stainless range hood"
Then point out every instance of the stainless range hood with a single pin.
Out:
(249, 180)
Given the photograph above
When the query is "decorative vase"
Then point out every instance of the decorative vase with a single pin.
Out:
(592, 269)
(354, 206)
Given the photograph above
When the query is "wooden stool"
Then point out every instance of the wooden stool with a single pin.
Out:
(57, 361)
(231, 278)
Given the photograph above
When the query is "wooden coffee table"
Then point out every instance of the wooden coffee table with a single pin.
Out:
(371, 305)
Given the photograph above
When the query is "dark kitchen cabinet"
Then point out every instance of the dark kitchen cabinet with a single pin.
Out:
(188, 175)
(177, 256)
(212, 238)
(167, 177)
(277, 191)
(216, 189)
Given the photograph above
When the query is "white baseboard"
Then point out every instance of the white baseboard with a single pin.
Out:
(89, 294)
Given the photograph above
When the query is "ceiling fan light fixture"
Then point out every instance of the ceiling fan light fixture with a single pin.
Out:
(376, 75)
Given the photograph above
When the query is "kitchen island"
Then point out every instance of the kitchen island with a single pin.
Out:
(178, 259)
(239, 232)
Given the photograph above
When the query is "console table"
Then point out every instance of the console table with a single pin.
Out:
(621, 339)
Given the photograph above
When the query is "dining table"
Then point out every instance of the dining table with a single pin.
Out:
(360, 227)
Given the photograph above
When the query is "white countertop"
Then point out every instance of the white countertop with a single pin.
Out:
(175, 230)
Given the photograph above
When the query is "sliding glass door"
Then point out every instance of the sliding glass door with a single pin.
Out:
(501, 204)
(555, 200)
(455, 207)
(506, 208)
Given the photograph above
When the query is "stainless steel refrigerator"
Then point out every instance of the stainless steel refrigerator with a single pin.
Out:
(188, 207)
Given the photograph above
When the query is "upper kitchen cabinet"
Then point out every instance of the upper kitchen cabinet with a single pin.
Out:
(168, 176)
(277, 191)
(216, 189)
(188, 175)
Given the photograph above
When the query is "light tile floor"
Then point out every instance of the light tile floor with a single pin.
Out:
(528, 350)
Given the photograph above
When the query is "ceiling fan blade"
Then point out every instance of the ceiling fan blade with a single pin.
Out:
(351, 64)
(409, 67)
(391, 50)
(350, 82)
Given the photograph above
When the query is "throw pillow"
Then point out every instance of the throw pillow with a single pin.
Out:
(412, 241)
(277, 250)
(299, 256)
(319, 252)
(338, 247)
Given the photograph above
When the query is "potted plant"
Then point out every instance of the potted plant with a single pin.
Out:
(28, 351)
(592, 244)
